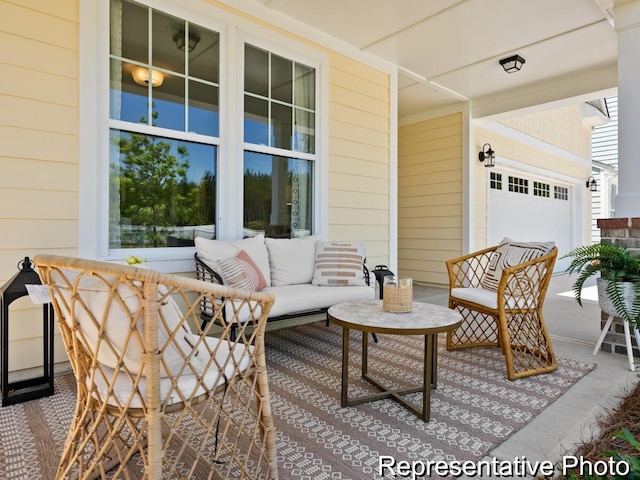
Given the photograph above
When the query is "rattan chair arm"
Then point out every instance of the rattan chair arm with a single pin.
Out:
(148, 275)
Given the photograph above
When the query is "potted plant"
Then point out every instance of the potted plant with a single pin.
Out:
(619, 282)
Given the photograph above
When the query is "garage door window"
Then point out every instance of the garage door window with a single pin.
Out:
(495, 181)
(560, 193)
(541, 189)
(518, 185)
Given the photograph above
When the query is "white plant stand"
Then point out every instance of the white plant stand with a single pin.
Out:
(607, 307)
(627, 335)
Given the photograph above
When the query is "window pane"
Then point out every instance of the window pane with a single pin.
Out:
(127, 99)
(165, 54)
(305, 87)
(162, 191)
(169, 103)
(256, 71)
(277, 195)
(203, 109)
(129, 31)
(256, 120)
(204, 60)
(281, 75)
(282, 126)
(305, 133)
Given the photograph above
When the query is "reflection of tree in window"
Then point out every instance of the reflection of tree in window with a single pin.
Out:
(155, 193)
(277, 195)
(257, 200)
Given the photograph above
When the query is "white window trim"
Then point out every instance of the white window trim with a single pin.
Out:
(94, 125)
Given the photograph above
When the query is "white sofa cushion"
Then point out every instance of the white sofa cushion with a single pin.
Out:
(291, 260)
(211, 251)
(292, 299)
(486, 298)
(339, 264)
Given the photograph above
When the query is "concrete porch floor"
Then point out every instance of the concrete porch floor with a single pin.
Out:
(571, 419)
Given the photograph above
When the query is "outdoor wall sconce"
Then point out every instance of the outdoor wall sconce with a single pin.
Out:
(179, 40)
(17, 391)
(141, 76)
(512, 64)
(592, 185)
(487, 156)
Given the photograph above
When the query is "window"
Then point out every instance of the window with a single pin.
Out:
(541, 189)
(279, 136)
(167, 149)
(518, 185)
(560, 193)
(164, 127)
(495, 181)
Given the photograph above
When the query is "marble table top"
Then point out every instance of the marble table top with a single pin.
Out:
(368, 315)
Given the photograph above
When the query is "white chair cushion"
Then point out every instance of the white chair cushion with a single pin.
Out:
(339, 264)
(291, 260)
(116, 326)
(222, 368)
(486, 298)
(211, 251)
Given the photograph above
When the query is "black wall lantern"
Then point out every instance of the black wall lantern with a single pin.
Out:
(592, 185)
(487, 156)
(30, 388)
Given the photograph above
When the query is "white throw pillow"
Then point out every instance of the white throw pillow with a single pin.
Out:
(508, 254)
(291, 260)
(339, 264)
(211, 251)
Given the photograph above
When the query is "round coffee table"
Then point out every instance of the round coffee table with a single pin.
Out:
(369, 317)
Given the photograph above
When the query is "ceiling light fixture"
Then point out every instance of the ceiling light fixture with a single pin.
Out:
(141, 76)
(512, 64)
(179, 40)
(487, 155)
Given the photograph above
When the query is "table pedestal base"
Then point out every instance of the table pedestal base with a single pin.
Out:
(429, 377)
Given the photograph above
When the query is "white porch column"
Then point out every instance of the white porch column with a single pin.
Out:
(627, 24)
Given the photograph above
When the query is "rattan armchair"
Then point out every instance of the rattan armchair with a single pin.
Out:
(158, 396)
(509, 316)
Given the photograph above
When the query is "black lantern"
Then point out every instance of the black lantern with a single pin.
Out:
(487, 155)
(592, 185)
(36, 387)
(512, 64)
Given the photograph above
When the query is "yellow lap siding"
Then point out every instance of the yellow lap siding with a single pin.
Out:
(429, 197)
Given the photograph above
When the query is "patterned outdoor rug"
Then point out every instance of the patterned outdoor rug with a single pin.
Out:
(474, 408)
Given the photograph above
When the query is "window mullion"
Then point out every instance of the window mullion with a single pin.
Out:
(150, 66)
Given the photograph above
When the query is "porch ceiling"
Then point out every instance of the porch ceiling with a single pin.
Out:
(448, 51)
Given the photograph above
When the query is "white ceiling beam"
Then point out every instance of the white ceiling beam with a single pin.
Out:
(564, 90)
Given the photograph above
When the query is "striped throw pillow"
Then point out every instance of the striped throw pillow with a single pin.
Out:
(339, 264)
(508, 254)
(242, 272)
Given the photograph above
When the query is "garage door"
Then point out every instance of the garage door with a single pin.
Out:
(525, 207)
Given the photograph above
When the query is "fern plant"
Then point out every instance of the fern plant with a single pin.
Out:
(614, 263)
